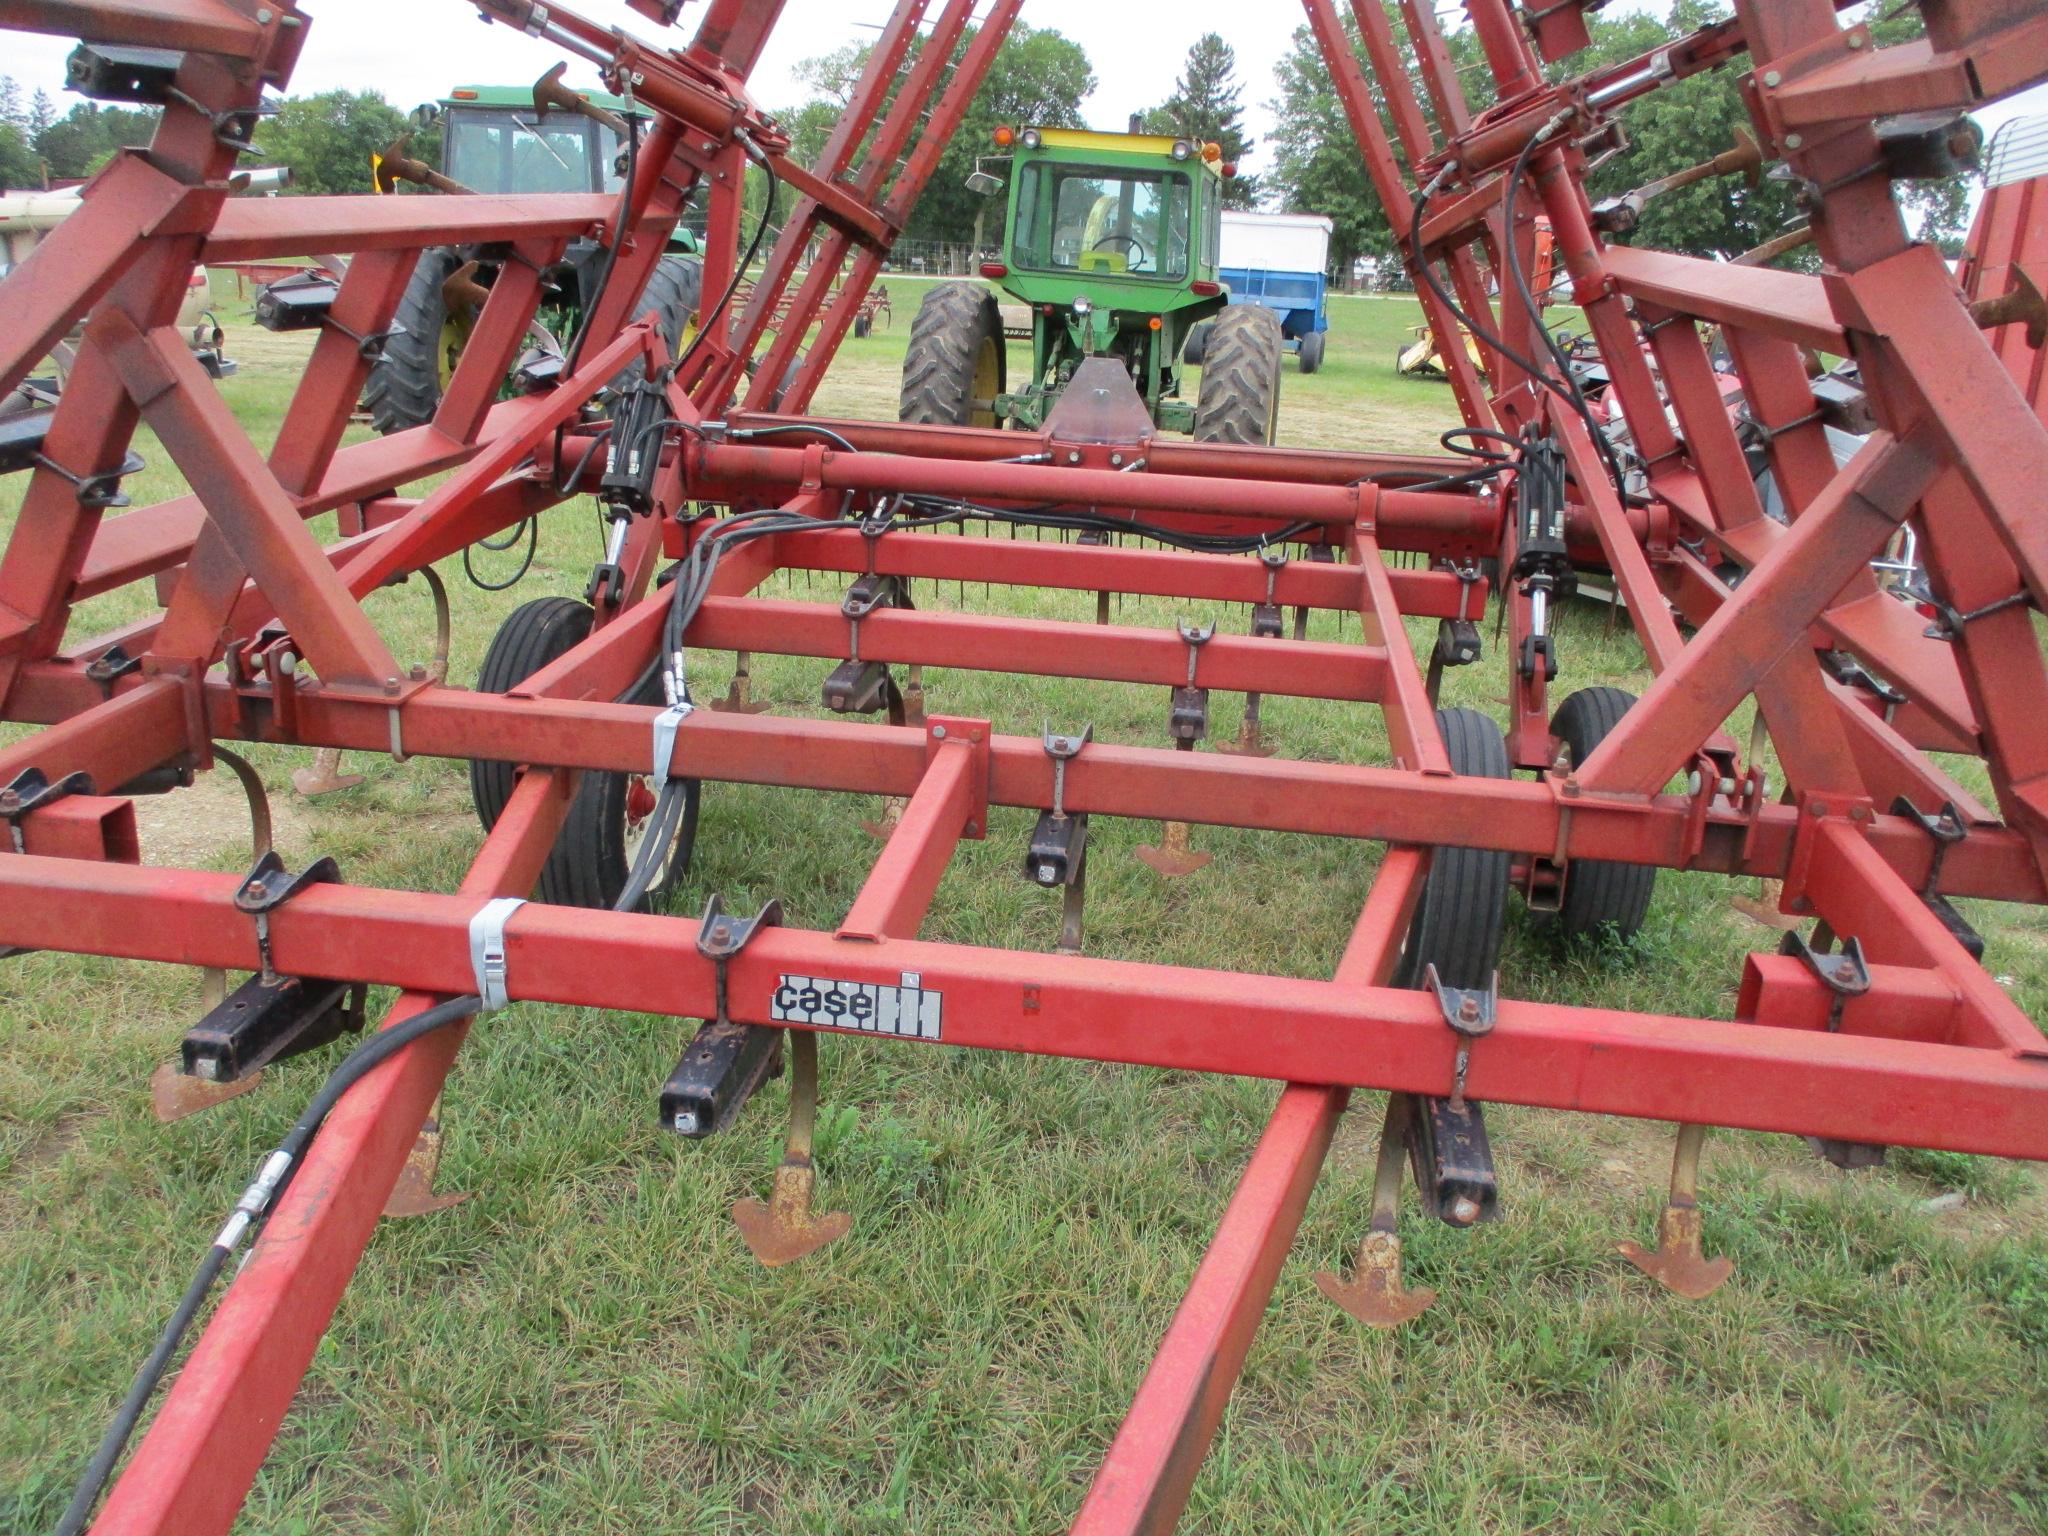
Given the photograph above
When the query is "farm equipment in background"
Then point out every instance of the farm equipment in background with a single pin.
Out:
(27, 217)
(499, 140)
(1875, 1027)
(1112, 241)
(1423, 357)
(1278, 261)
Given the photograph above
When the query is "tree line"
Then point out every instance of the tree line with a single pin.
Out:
(1040, 78)
(326, 139)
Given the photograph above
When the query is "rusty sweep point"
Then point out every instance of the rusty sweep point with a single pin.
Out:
(1173, 857)
(173, 1095)
(413, 1195)
(783, 1230)
(1678, 1264)
(1375, 1294)
(324, 777)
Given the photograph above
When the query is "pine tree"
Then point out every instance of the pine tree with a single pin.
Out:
(1206, 104)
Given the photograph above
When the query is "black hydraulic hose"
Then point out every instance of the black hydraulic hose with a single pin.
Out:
(611, 255)
(1564, 364)
(271, 1181)
(1570, 395)
(708, 318)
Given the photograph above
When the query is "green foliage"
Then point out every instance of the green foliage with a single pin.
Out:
(1206, 105)
(1038, 77)
(84, 138)
(1318, 167)
(19, 167)
(328, 139)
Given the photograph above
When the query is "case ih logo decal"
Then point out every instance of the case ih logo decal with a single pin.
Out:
(907, 1011)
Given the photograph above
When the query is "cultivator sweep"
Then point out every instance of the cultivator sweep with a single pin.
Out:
(1712, 394)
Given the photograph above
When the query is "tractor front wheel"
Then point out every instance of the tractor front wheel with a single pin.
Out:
(956, 365)
(1239, 401)
(601, 833)
(1196, 347)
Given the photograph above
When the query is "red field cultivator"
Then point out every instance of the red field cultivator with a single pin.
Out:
(1722, 393)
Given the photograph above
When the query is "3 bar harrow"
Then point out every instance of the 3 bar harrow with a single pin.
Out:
(1879, 1029)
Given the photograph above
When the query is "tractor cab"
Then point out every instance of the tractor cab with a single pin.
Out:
(1111, 241)
(494, 140)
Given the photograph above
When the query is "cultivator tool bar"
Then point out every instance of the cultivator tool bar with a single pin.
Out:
(1738, 487)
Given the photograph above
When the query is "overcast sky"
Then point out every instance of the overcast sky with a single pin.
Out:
(414, 50)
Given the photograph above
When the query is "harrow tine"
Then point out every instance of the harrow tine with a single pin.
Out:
(1678, 1263)
(784, 1230)
(1376, 1294)
(414, 1195)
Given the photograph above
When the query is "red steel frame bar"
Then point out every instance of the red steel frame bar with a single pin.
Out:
(1934, 1053)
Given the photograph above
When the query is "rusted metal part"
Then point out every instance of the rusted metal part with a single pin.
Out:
(1376, 1294)
(1679, 1262)
(414, 1193)
(785, 1228)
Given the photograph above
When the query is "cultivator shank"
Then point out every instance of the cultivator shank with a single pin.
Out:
(1698, 473)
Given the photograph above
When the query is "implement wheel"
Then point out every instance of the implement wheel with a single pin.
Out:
(1598, 893)
(1458, 922)
(601, 834)
(1312, 346)
(957, 363)
(1239, 401)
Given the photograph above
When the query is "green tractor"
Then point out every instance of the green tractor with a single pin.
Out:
(1111, 240)
(541, 138)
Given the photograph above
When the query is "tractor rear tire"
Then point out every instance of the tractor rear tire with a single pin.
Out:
(1460, 919)
(956, 358)
(591, 859)
(404, 386)
(1239, 401)
(1312, 352)
(1600, 896)
(1196, 347)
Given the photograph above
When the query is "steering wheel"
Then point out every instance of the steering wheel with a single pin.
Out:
(1131, 242)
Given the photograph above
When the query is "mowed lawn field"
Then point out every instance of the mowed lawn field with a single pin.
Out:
(585, 1345)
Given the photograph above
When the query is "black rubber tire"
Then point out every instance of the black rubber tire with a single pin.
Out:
(1459, 921)
(404, 386)
(1239, 401)
(674, 290)
(1599, 894)
(588, 865)
(1196, 347)
(863, 327)
(1312, 346)
(954, 325)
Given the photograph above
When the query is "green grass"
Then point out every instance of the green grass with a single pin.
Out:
(585, 1345)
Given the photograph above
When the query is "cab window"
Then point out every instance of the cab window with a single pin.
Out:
(1116, 222)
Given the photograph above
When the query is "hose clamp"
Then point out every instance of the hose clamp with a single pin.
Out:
(487, 949)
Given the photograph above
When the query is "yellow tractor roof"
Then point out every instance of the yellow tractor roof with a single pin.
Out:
(1160, 144)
